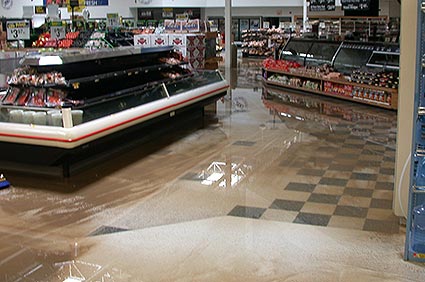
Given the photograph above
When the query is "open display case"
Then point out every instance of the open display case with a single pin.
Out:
(66, 102)
(355, 71)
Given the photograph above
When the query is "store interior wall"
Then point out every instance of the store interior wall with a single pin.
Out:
(408, 40)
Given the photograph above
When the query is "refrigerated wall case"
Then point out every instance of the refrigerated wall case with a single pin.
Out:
(415, 225)
(64, 106)
(361, 62)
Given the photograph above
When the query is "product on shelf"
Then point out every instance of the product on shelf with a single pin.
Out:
(11, 96)
(337, 89)
(376, 78)
(260, 42)
(282, 65)
(82, 39)
(41, 41)
(37, 98)
(371, 95)
(27, 76)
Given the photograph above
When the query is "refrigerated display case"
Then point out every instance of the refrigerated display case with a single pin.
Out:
(66, 102)
(354, 71)
(310, 52)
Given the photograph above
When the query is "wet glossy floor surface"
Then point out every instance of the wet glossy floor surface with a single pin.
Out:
(277, 187)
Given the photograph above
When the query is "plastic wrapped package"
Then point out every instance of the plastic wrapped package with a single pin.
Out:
(11, 96)
(37, 98)
(54, 98)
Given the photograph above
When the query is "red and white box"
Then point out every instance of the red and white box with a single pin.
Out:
(195, 40)
(159, 40)
(177, 39)
(142, 40)
(195, 52)
(197, 63)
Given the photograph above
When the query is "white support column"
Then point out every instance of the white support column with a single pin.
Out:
(305, 18)
(406, 93)
(228, 33)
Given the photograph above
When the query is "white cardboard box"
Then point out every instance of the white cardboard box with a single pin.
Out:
(159, 40)
(177, 39)
(142, 40)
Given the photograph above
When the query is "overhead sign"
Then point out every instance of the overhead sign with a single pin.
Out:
(322, 5)
(112, 20)
(40, 10)
(57, 30)
(18, 30)
(355, 5)
(78, 5)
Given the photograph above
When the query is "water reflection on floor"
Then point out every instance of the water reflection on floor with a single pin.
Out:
(269, 160)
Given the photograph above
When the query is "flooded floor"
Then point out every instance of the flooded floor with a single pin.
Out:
(278, 186)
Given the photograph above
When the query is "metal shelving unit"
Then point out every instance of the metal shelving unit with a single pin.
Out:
(415, 227)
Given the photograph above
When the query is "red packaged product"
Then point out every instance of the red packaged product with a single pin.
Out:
(54, 98)
(23, 97)
(37, 98)
(11, 96)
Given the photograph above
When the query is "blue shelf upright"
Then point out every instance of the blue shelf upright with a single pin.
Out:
(415, 226)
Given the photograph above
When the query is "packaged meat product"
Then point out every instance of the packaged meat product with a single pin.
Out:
(11, 96)
(23, 97)
(37, 98)
(54, 98)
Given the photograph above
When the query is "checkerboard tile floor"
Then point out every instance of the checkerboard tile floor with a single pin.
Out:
(348, 183)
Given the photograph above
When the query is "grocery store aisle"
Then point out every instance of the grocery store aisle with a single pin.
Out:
(254, 196)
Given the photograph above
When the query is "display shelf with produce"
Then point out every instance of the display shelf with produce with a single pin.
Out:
(66, 102)
(261, 42)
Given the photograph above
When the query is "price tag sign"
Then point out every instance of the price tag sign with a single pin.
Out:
(57, 30)
(18, 30)
(112, 20)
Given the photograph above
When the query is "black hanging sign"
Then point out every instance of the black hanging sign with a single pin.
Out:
(322, 5)
(355, 5)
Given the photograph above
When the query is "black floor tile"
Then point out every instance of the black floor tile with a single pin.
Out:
(351, 211)
(372, 152)
(364, 176)
(244, 143)
(312, 219)
(386, 171)
(321, 161)
(324, 198)
(381, 204)
(384, 186)
(341, 167)
(381, 226)
(347, 156)
(333, 181)
(301, 187)
(352, 146)
(355, 192)
(107, 230)
(311, 172)
(326, 149)
(369, 163)
(249, 212)
(389, 159)
(287, 205)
